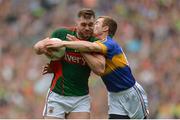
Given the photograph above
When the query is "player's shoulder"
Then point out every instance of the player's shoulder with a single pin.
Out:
(112, 41)
(108, 41)
(62, 32)
(65, 30)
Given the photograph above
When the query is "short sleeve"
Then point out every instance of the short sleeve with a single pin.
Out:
(60, 33)
(103, 47)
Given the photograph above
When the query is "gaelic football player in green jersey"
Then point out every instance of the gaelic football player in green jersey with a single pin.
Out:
(68, 96)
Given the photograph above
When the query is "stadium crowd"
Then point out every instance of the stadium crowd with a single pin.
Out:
(148, 31)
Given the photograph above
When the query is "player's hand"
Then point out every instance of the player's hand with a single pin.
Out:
(47, 69)
(72, 38)
(46, 51)
(40, 48)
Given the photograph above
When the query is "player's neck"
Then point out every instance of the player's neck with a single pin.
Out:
(103, 36)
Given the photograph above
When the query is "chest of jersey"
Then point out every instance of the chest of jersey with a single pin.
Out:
(74, 57)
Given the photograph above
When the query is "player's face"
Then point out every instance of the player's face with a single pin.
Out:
(85, 27)
(98, 27)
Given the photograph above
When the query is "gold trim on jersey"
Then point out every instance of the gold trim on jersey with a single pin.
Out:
(104, 48)
(118, 61)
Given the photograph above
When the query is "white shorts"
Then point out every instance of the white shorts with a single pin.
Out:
(132, 102)
(57, 105)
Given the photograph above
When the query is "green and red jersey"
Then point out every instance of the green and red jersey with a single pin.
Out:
(71, 73)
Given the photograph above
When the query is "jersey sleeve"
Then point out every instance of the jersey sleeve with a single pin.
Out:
(104, 48)
(109, 48)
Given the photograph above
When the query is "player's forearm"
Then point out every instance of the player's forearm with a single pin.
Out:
(82, 46)
(95, 62)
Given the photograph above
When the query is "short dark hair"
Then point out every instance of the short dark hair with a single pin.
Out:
(86, 13)
(111, 23)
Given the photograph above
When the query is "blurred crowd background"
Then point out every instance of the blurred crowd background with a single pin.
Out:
(148, 31)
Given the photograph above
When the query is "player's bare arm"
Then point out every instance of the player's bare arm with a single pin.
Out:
(83, 46)
(96, 62)
(74, 43)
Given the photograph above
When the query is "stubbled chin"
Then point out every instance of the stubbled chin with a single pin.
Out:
(95, 35)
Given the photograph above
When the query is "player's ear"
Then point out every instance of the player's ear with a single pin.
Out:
(105, 28)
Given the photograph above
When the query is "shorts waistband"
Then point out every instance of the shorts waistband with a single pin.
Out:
(124, 91)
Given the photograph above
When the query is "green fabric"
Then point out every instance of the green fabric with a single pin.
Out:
(75, 71)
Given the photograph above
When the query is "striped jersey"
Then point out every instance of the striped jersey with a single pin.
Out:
(117, 76)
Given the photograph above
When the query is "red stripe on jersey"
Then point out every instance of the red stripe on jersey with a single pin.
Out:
(56, 67)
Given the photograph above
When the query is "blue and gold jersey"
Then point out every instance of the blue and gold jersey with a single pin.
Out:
(117, 76)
